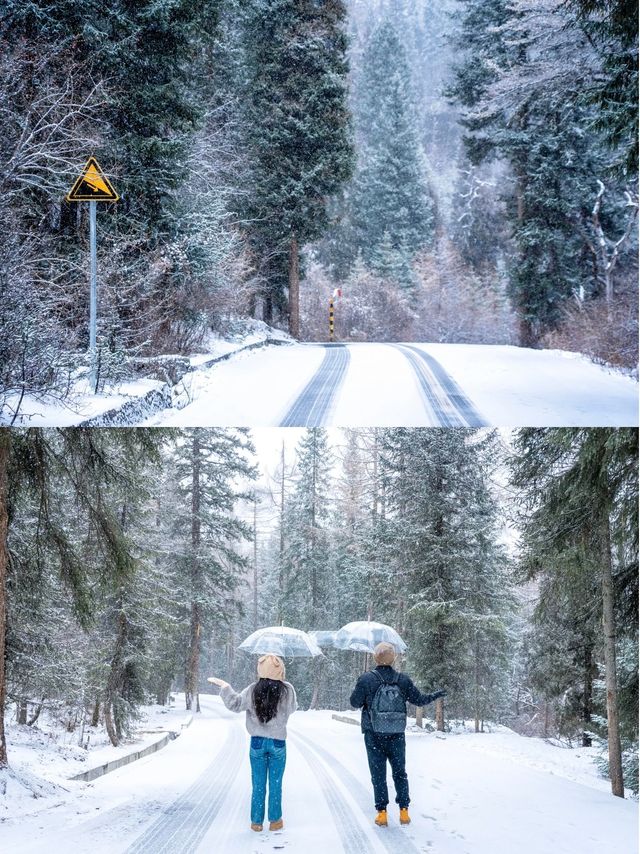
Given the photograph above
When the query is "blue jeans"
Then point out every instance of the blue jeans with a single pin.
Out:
(268, 757)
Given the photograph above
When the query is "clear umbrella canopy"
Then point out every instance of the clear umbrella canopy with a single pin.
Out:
(324, 638)
(282, 641)
(364, 635)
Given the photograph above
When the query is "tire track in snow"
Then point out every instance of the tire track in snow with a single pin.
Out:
(312, 406)
(443, 396)
(394, 839)
(181, 827)
(354, 839)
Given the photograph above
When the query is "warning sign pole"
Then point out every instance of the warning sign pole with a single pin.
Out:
(92, 186)
(93, 297)
(331, 319)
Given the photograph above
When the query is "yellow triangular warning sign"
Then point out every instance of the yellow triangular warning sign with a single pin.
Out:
(92, 185)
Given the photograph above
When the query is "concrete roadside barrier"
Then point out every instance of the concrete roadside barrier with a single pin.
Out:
(345, 719)
(121, 761)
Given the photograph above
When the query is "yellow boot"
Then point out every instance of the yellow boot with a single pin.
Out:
(276, 825)
(256, 827)
(381, 818)
(404, 815)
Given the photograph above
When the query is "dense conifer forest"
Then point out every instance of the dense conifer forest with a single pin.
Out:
(465, 171)
(134, 562)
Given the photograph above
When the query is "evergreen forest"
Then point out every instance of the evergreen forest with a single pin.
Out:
(133, 563)
(464, 170)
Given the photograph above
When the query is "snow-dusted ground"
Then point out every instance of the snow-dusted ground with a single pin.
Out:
(471, 794)
(509, 386)
(46, 757)
(82, 404)
(514, 386)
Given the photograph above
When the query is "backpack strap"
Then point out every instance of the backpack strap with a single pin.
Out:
(384, 681)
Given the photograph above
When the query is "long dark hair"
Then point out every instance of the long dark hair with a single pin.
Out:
(267, 694)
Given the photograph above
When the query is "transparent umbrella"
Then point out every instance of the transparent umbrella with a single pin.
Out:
(364, 635)
(282, 641)
(324, 638)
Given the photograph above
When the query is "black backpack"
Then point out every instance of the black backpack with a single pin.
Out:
(388, 710)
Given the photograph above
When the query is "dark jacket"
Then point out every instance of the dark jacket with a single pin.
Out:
(368, 683)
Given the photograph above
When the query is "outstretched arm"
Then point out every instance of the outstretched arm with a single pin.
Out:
(419, 699)
(233, 701)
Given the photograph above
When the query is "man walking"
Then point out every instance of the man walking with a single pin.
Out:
(382, 694)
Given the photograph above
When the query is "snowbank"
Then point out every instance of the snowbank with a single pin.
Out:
(133, 401)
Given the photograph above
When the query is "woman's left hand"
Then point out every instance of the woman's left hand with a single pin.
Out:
(219, 682)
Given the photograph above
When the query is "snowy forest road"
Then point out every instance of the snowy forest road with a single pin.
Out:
(409, 385)
(470, 794)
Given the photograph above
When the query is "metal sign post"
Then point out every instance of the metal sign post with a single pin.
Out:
(93, 296)
(92, 186)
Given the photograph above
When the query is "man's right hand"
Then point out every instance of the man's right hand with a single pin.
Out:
(437, 694)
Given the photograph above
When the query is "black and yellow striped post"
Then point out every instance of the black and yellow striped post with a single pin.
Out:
(331, 319)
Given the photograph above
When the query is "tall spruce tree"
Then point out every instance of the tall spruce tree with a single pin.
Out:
(208, 463)
(545, 131)
(389, 202)
(580, 533)
(442, 542)
(297, 128)
(65, 480)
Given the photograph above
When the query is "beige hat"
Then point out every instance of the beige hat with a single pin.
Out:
(271, 667)
(384, 653)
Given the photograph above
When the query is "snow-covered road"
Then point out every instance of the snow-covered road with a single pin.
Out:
(471, 794)
(406, 385)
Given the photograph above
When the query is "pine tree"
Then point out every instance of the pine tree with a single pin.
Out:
(546, 135)
(297, 134)
(208, 534)
(441, 537)
(580, 520)
(389, 193)
(65, 479)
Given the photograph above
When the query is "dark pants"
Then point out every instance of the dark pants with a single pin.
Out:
(381, 748)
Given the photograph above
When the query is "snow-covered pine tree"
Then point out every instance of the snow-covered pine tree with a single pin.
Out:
(65, 479)
(297, 133)
(442, 542)
(579, 511)
(208, 465)
(389, 193)
(517, 88)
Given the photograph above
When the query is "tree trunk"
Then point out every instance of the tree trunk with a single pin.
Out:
(317, 677)
(22, 712)
(440, 714)
(114, 683)
(419, 716)
(608, 624)
(545, 732)
(477, 682)
(267, 310)
(36, 714)
(95, 717)
(587, 694)
(5, 447)
(281, 565)
(255, 564)
(193, 665)
(294, 289)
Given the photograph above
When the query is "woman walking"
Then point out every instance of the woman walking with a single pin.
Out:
(268, 704)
